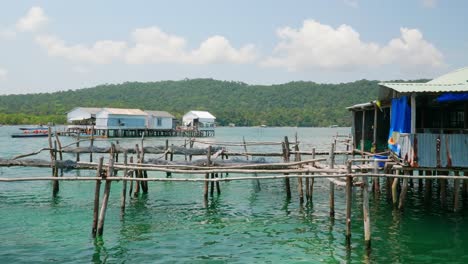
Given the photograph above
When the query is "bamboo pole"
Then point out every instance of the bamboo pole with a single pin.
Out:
(245, 149)
(105, 198)
(97, 191)
(349, 186)
(60, 150)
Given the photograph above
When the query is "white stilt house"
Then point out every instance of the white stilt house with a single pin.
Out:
(83, 115)
(199, 120)
(119, 118)
(159, 120)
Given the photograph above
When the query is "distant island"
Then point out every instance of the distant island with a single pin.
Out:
(305, 104)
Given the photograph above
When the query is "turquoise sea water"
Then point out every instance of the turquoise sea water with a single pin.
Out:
(247, 223)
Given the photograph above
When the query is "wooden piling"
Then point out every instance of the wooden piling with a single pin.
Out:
(331, 159)
(365, 209)
(105, 198)
(299, 179)
(456, 191)
(77, 146)
(395, 188)
(97, 191)
(404, 190)
(131, 176)
(428, 187)
(443, 190)
(124, 184)
(349, 186)
(312, 180)
(91, 144)
(287, 185)
(207, 175)
(218, 189)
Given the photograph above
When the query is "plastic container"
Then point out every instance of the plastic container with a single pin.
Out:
(381, 164)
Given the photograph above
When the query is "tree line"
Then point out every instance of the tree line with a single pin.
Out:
(290, 104)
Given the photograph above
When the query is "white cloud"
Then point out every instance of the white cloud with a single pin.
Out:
(429, 3)
(7, 34)
(321, 46)
(101, 52)
(155, 46)
(152, 45)
(3, 74)
(33, 20)
(217, 49)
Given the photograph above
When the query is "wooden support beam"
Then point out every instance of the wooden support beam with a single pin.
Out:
(105, 198)
(349, 186)
(395, 184)
(124, 185)
(366, 213)
(456, 192)
(404, 190)
(97, 192)
(331, 162)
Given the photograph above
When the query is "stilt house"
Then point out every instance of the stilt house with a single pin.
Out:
(424, 124)
(159, 120)
(119, 118)
(199, 120)
(83, 115)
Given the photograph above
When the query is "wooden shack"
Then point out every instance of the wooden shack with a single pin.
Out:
(424, 124)
(159, 120)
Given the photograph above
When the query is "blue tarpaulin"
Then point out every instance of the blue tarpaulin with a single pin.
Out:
(400, 122)
(452, 97)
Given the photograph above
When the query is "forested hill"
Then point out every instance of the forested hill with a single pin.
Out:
(290, 104)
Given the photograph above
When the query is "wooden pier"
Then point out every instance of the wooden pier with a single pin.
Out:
(353, 169)
(135, 133)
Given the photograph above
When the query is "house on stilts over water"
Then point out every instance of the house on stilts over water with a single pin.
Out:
(424, 125)
(120, 122)
(200, 123)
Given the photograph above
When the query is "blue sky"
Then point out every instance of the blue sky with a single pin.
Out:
(49, 46)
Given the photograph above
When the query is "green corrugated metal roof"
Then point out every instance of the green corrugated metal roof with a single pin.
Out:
(456, 81)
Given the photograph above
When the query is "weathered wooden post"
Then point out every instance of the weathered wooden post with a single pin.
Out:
(331, 161)
(365, 209)
(285, 146)
(404, 190)
(132, 173)
(312, 180)
(60, 151)
(124, 184)
(349, 186)
(77, 146)
(96, 197)
(456, 191)
(395, 183)
(299, 179)
(428, 187)
(91, 145)
(53, 158)
(105, 198)
(207, 175)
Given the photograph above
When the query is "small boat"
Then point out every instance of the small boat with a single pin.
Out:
(31, 132)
